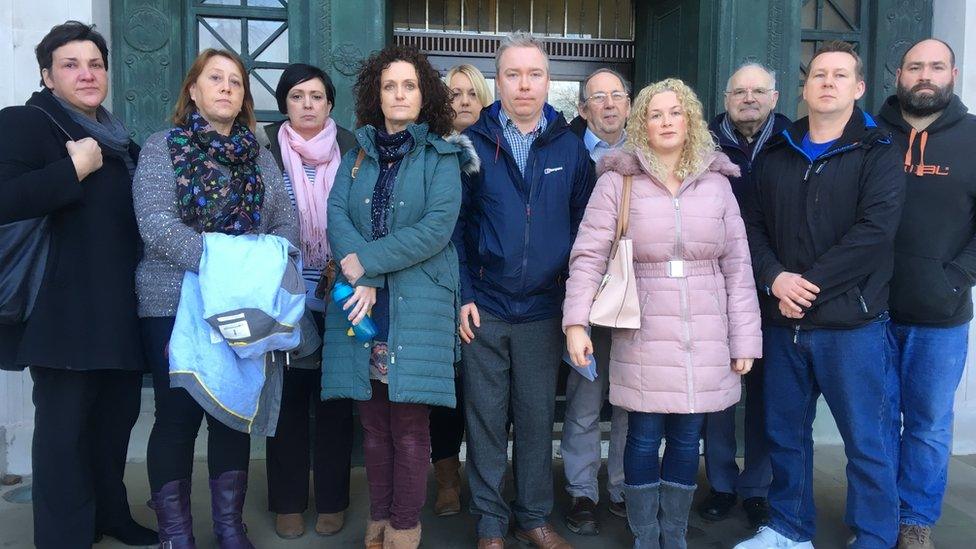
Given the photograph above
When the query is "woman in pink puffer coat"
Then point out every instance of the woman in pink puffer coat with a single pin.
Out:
(700, 326)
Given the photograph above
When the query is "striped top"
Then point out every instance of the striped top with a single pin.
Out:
(308, 273)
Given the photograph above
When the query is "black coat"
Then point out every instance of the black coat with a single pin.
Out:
(935, 249)
(85, 314)
(831, 219)
(742, 157)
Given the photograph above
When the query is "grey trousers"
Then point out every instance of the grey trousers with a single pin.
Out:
(580, 446)
(511, 367)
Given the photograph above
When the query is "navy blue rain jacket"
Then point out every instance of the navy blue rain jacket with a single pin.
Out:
(515, 232)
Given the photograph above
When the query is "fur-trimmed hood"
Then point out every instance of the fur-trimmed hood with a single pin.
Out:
(629, 162)
(470, 163)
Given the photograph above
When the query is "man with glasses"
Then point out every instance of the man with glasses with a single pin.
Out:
(604, 104)
(742, 131)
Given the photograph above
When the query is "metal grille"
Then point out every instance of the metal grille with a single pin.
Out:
(486, 46)
(580, 19)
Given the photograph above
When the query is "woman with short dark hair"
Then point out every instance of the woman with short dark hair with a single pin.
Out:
(391, 215)
(65, 158)
(308, 146)
(207, 174)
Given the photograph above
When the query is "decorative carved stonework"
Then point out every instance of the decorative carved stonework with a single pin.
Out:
(775, 34)
(146, 29)
(346, 58)
(900, 24)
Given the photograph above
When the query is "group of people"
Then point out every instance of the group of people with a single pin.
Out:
(831, 256)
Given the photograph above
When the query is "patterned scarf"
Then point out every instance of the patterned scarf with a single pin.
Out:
(207, 199)
(392, 149)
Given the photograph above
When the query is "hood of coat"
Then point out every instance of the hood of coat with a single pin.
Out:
(631, 162)
(468, 157)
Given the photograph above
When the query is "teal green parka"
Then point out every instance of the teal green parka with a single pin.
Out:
(416, 261)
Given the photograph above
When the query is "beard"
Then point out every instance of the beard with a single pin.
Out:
(918, 104)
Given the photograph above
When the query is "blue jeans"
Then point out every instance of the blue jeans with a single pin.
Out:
(644, 432)
(854, 370)
(930, 365)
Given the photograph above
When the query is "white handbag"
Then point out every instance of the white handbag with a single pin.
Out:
(615, 304)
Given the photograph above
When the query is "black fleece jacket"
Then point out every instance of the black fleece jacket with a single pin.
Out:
(831, 219)
(935, 248)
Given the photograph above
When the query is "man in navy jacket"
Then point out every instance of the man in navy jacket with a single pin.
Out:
(519, 217)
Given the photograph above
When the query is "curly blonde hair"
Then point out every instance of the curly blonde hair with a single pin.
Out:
(699, 144)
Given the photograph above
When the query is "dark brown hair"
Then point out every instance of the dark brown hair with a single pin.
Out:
(185, 105)
(841, 47)
(436, 108)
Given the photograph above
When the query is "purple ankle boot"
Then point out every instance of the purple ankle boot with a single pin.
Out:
(172, 506)
(227, 504)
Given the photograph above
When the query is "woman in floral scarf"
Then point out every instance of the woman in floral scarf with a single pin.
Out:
(206, 174)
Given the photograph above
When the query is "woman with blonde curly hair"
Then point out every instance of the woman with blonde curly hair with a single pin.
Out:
(700, 327)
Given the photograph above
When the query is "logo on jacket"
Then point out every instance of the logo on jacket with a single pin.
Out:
(921, 168)
(548, 171)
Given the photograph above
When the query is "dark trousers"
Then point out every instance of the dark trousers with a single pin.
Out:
(720, 444)
(178, 417)
(289, 455)
(396, 444)
(82, 422)
(447, 426)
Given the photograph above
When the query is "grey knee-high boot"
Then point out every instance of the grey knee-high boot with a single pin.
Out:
(642, 507)
(675, 506)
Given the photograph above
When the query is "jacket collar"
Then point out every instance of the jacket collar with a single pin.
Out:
(45, 101)
(489, 126)
(366, 137)
(728, 136)
(861, 131)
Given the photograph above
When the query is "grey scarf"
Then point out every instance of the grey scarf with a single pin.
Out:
(108, 131)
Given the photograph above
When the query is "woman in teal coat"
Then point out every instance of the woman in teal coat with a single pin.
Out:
(391, 213)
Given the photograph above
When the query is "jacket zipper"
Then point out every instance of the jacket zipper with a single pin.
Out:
(528, 216)
(685, 316)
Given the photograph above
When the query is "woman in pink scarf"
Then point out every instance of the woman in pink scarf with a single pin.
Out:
(308, 147)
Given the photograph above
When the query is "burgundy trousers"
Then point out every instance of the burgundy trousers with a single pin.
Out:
(396, 445)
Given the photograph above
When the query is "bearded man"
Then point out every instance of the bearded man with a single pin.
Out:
(935, 268)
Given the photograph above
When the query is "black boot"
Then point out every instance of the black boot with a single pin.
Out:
(227, 504)
(129, 533)
(172, 505)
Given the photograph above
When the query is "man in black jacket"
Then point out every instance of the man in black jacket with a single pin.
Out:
(821, 224)
(743, 130)
(935, 267)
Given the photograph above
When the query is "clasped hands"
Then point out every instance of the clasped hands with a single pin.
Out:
(794, 293)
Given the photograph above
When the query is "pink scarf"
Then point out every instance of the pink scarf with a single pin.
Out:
(322, 151)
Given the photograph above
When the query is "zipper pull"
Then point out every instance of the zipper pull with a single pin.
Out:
(807, 174)
(864, 306)
(528, 210)
(677, 205)
(796, 333)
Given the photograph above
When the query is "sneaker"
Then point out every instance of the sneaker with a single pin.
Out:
(914, 536)
(767, 538)
(716, 506)
(757, 510)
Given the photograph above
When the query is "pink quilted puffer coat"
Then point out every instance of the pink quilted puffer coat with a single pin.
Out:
(691, 326)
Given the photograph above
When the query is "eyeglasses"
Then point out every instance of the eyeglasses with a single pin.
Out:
(600, 98)
(741, 93)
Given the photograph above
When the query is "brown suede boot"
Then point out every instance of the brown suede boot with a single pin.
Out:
(401, 539)
(447, 472)
(289, 525)
(329, 524)
(375, 533)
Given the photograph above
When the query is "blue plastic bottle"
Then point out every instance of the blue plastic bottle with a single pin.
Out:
(366, 330)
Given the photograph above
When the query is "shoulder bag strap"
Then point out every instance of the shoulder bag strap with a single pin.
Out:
(359, 160)
(56, 123)
(623, 216)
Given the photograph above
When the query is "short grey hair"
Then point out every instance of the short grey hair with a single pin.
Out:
(520, 39)
(604, 70)
(752, 64)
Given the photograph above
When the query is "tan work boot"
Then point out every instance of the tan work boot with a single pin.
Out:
(330, 523)
(289, 525)
(447, 472)
(375, 533)
(913, 536)
(401, 539)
